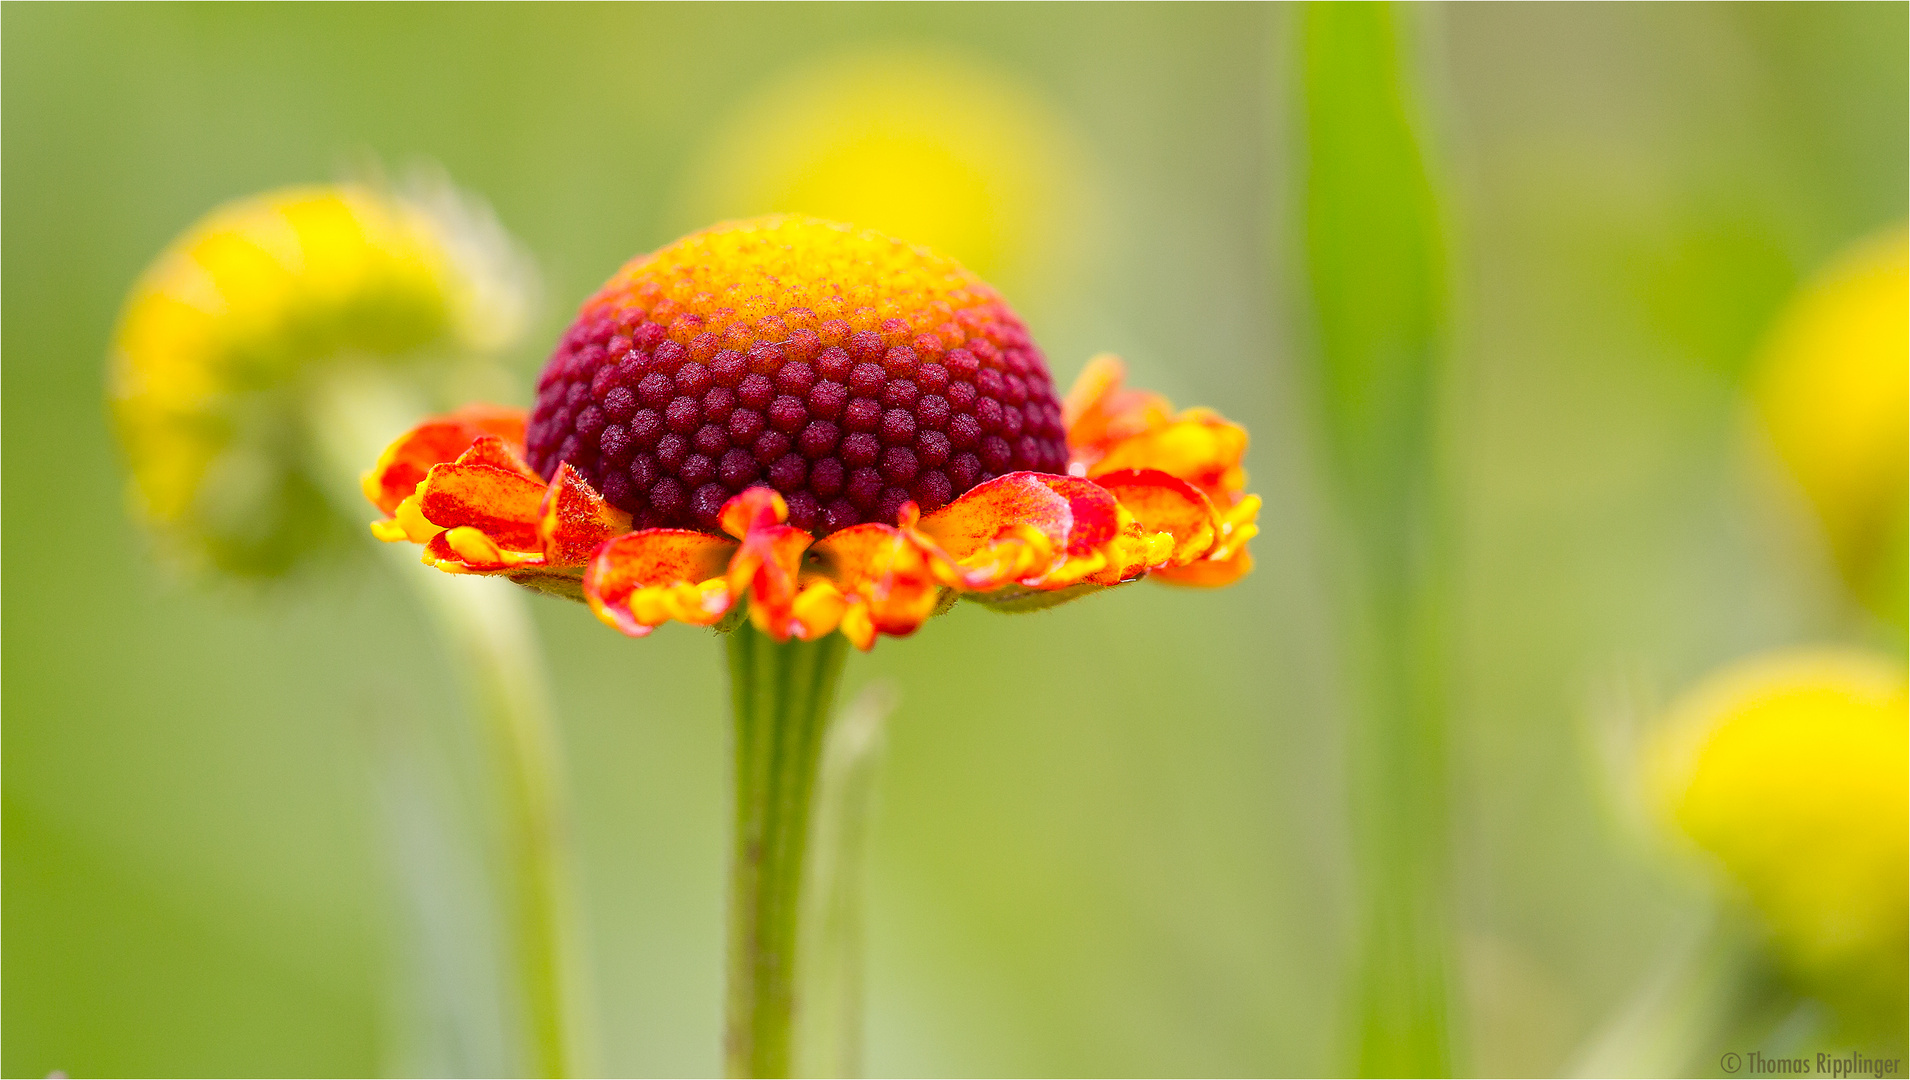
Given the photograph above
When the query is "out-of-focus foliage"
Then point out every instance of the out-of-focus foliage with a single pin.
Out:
(1834, 392)
(1792, 770)
(1377, 275)
(1376, 252)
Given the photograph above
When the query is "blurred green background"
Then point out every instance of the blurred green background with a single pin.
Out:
(1111, 837)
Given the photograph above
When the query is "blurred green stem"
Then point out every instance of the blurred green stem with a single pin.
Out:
(1376, 259)
(828, 1037)
(489, 629)
(780, 693)
(1679, 1014)
(486, 627)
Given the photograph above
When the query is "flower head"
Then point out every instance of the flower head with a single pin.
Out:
(850, 371)
(1790, 769)
(224, 337)
(849, 431)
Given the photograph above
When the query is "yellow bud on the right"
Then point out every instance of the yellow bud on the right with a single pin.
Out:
(1834, 391)
(1793, 770)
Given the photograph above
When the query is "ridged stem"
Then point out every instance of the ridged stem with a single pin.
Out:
(781, 694)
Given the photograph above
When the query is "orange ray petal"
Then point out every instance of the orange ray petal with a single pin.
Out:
(641, 580)
(1166, 507)
(818, 609)
(434, 442)
(500, 503)
(1198, 446)
(1037, 529)
(498, 454)
(767, 558)
(464, 549)
(1229, 561)
(884, 577)
(1208, 573)
(1098, 412)
(1113, 430)
(573, 519)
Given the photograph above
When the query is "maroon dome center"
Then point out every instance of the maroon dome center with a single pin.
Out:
(848, 426)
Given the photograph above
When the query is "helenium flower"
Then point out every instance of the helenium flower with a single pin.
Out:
(824, 429)
(847, 430)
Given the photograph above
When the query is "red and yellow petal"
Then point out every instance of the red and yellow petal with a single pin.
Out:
(573, 519)
(466, 549)
(434, 442)
(1098, 412)
(1208, 573)
(498, 454)
(869, 579)
(767, 560)
(1133, 443)
(1033, 529)
(1111, 429)
(1176, 519)
(641, 580)
(1239, 524)
(1229, 561)
(500, 503)
(465, 469)
(1198, 446)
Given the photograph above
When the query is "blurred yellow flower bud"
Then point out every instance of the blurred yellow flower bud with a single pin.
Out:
(1834, 390)
(229, 335)
(951, 155)
(1793, 770)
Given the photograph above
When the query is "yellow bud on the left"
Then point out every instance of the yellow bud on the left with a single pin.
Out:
(231, 328)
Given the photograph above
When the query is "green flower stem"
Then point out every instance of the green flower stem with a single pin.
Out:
(489, 628)
(486, 626)
(1671, 1025)
(781, 695)
(829, 985)
(1376, 258)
